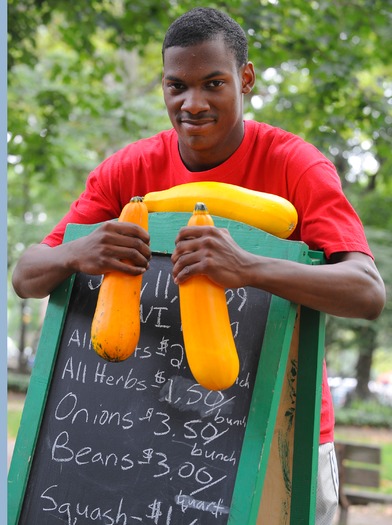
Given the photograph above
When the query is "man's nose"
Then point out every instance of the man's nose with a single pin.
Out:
(194, 101)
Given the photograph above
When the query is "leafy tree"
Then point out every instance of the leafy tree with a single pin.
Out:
(365, 337)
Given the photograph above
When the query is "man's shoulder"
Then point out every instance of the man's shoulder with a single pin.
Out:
(283, 142)
(154, 144)
(264, 130)
(144, 154)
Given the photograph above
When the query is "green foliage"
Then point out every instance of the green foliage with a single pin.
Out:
(374, 209)
(365, 413)
(346, 339)
(18, 382)
(328, 78)
(63, 120)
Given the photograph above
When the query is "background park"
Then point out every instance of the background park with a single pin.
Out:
(83, 82)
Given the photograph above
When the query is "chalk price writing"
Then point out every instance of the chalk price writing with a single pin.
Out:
(241, 293)
(63, 453)
(195, 395)
(207, 433)
(70, 513)
(159, 460)
(79, 371)
(185, 502)
(164, 288)
(164, 418)
(70, 409)
(164, 349)
(157, 512)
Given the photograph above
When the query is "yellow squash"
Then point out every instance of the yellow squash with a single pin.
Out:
(115, 327)
(265, 211)
(208, 337)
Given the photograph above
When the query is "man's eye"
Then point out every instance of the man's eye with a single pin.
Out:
(215, 83)
(176, 86)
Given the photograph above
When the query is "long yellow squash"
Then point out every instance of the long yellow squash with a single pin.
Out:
(208, 337)
(265, 211)
(115, 328)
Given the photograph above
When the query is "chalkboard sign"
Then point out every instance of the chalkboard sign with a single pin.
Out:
(140, 441)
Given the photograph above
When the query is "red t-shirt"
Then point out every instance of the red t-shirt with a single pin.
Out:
(269, 159)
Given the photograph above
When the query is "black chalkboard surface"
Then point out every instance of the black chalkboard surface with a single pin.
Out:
(140, 441)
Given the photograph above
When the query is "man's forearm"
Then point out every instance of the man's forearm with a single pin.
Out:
(40, 269)
(113, 246)
(351, 288)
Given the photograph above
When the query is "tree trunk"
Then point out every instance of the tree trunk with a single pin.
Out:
(22, 337)
(368, 336)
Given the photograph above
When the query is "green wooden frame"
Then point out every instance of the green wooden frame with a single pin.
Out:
(252, 467)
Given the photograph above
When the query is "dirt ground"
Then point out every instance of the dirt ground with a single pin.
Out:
(370, 515)
(358, 515)
(373, 435)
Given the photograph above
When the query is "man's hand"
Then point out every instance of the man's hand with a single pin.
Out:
(112, 246)
(349, 286)
(212, 252)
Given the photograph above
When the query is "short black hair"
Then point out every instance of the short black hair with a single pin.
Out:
(205, 23)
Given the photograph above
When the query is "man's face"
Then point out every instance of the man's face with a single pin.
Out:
(203, 91)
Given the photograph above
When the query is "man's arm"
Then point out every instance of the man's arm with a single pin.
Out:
(350, 287)
(41, 268)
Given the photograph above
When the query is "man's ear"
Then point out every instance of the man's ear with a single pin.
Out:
(248, 78)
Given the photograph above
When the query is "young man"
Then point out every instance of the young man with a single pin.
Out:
(206, 72)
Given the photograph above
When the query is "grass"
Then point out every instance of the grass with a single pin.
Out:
(14, 412)
(386, 471)
(13, 421)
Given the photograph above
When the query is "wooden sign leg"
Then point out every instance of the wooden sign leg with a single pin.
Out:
(307, 418)
(289, 493)
(276, 496)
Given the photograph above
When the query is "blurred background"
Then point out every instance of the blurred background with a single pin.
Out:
(83, 82)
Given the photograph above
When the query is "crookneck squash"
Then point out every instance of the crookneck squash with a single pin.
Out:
(208, 338)
(115, 328)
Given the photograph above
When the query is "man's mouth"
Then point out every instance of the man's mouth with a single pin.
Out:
(196, 124)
